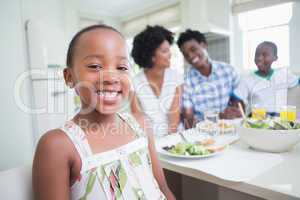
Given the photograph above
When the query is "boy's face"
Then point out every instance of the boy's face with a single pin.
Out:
(264, 57)
(194, 54)
(100, 70)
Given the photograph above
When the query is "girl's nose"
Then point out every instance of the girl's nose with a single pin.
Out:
(109, 77)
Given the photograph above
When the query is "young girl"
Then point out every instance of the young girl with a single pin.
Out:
(99, 154)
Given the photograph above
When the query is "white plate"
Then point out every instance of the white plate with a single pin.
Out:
(166, 153)
(207, 127)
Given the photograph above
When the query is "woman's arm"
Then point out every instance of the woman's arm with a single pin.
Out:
(51, 167)
(174, 112)
(135, 104)
(157, 170)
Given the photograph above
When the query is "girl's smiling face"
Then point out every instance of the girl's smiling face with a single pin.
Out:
(100, 70)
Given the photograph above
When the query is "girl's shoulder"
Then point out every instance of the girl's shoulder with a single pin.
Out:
(55, 142)
(55, 158)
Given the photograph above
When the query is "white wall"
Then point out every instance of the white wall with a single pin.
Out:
(111, 21)
(196, 13)
(295, 39)
(52, 14)
(60, 23)
(16, 129)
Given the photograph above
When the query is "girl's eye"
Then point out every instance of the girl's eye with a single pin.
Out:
(95, 66)
(122, 68)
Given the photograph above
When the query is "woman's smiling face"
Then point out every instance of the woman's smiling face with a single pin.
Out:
(101, 70)
(162, 55)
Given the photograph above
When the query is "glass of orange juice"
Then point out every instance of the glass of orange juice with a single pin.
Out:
(258, 112)
(288, 113)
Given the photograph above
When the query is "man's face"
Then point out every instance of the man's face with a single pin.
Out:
(194, 53)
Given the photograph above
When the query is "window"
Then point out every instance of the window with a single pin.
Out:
(266, 24)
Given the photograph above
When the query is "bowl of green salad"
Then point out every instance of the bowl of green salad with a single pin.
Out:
(270, 135)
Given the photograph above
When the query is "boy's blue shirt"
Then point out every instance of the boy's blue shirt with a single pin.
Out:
(203, 93)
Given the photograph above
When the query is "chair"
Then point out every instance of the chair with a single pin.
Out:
(15, 184)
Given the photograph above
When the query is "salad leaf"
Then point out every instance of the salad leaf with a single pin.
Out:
(188, 149)
(272, 124)
(296, 125)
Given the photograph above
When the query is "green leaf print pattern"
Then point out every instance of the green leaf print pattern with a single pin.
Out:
(89, 186)
(122, 180)
(122, 177)
(135, 159)
(100, 174)
(139, 194)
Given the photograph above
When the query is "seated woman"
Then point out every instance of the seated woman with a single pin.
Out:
(157, 87)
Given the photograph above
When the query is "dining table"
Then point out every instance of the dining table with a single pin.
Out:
(262, 175)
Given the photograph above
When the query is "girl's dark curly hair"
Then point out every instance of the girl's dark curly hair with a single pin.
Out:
(146, 42)
(190, 35)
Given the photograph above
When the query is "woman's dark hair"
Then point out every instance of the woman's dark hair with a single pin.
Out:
(146, 42)
(190, 35)
(73, 43)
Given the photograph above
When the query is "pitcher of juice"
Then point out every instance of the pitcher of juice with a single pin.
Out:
(259, 112)
(288, 113)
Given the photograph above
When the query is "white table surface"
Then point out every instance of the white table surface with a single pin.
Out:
(266, 175)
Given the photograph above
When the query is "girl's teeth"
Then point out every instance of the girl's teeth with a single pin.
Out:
(107, 94)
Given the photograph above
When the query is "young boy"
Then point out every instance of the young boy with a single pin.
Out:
(266, 87)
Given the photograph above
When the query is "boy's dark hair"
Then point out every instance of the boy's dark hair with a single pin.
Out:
(76, 37)
(270, 44)
(146, 42)
(189, 35)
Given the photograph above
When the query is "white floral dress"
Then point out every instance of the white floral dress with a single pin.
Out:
(124, 173)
